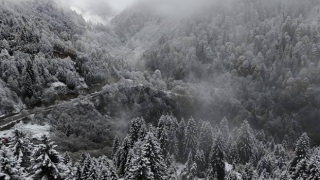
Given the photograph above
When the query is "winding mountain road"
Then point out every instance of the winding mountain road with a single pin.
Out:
(8, 120)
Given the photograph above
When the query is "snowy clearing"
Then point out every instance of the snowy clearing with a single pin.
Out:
(31, 130)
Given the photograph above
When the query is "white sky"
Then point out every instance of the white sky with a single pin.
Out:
(98, 10)
(119, 5)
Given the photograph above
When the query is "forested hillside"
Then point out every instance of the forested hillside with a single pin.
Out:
(254, 60)
(206, 89)
(48, 52)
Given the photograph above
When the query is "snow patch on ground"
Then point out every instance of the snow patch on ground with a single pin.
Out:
(179, 168)
(58, 84)
(30, 130)
(239, 176)
(228, 167)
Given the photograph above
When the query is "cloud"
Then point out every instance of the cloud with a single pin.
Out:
(97, 10)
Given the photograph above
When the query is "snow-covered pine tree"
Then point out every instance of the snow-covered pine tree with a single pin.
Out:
(115, 146)
(217, 162)
(298, 165)
(147, 161)
(192, 175)
(314, 165)
(267, 164)
(189, 172)
(171, 164)
(89, 170)
(105, 169)
(9, 166)
(166, 133)
(247, 172)
(108, 174)
(181, 131)
(137, 130)
(67, 159)
(164, 139)
(101, 162)
(233, 156)
(174, 149)
(286, 142)
(246, 143)
(77, 171)
(121, 158)
(205, 141)
(232, 175)
(199, 159)
(68, 130)
(190, 161)
(18, 145)
(45, 161)
(66, 167)
(151, 150)
(131, 155)
(271, 144)
(83, 158)
(191, 138)
(224, 128)
(21, 148)
(285, 176)
(137, 167)
(281, 156)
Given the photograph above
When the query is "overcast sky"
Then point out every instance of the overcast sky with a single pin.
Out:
(98, 10)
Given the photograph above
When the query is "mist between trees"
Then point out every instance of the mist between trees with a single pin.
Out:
(189, 89)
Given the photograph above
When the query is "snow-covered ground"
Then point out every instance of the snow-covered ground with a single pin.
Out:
(31, 130)
(179, 168)
(228, 167)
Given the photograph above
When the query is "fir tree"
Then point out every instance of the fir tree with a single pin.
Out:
(137, 167)
(267, 164)
(166, 133)
(206, 140)
(286, 142)
(190, 170)
(83, 158)
(200, 161)
(233, 156)
(151, 150)
(66, 166)
(67, 159)
(108, 174)
(285, 176)
(281, 156)
(45, 161)
(9, 167)
(298, 166)
(171, 164)
(181, 131)
(191, 137)
(115, 146)
(217, 163)
(314, 165)
(224, 128)
(147, 161)
(137, 130)
(121, 159)
(246, 143)
(130, 158)
(248, 171)
(68, 130)
(18, 144)
(164, 139)
(232, 175)
(89, 170)
(21, 148)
